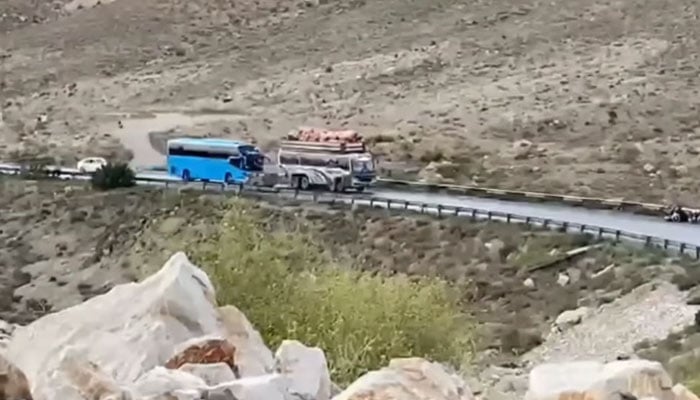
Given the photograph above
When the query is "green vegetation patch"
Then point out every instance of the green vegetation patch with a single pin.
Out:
(288, 289)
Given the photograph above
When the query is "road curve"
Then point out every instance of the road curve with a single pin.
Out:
(639, 224)
(633, 223)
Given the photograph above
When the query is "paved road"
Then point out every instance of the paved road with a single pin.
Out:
(643, 225)
(633, 223)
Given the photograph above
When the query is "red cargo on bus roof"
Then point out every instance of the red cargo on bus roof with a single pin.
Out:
(324, 135)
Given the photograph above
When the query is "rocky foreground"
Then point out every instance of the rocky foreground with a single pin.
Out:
(165, 339)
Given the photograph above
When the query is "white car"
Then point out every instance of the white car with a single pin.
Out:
(91, 164)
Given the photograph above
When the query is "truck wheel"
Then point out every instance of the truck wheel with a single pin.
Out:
(186, 175)
(360, 189)
(304, 182)
(337, 186)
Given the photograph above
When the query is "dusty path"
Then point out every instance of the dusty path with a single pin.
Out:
(145, 136)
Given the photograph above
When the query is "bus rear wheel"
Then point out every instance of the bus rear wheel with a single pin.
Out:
(300, 182)
(186, 175)
(337, 186)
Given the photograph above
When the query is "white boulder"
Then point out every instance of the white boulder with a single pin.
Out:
(570, 318)
(408, 379)
(131, 341)
(306, 368)
(253, 357)
(597, 381)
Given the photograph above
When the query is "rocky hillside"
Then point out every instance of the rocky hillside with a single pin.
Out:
(166, 338)
(530, 303)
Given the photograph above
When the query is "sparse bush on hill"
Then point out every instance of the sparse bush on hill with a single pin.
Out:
(112, 176)
(285, 285)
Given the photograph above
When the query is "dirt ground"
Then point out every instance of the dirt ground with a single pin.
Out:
(595, 98)
(63, 243)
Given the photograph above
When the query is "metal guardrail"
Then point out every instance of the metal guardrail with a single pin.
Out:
(581, 201)
(437, 209)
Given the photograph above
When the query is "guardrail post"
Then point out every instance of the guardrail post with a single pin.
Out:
(697, 252)
(405, 205)
(167, 184)
(545, 223)
(617, 235)
(439, 210)
(474, 214)
(239, 189)
(682, 248)
(457, 210)
(422, 208)
(583, 228)
(296, 193)
(489, 215)
(565, 226)
(665, 243)
(527, 220)
(388, 203)
(314, 195)
(508, 217)
(204, 185)
(600, 232)
(371, 202)
(647, 241)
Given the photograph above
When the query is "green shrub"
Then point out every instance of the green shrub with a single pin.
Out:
(288, 289)
(112, 176)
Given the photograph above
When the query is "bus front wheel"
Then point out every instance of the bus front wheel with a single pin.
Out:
(186, 175)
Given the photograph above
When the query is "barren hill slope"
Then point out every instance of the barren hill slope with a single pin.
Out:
(596, 97)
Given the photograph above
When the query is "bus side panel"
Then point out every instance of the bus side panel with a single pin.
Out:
(213, 170)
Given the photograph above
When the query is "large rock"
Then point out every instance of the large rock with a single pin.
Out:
(408, 379)
(570, 318)
(253, 358)
(153, 339)
(682, 393)
(13, 382)
(306, 368)
(597, 381)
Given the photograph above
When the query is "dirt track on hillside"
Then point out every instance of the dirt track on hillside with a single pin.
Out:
(595, 98)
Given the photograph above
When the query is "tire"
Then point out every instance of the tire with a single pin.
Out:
(228, 179)
(186, 175)
(337, 186)
(304, 182)
(360, 189)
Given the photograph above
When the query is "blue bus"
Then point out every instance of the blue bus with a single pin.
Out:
(214, 160)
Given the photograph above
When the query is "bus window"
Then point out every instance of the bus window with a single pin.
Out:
(289, 159)
(362, 165)
(180, 151)
(235, 161)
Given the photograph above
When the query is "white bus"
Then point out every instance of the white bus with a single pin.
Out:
(333, 166)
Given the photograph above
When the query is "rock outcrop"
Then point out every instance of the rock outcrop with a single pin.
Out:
(626, 379)
(164, 338)
(408, 379)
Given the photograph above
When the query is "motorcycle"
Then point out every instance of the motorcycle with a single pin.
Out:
(678, 214)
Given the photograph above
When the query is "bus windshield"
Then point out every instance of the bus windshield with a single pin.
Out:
(363, 165)
(254, 162)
